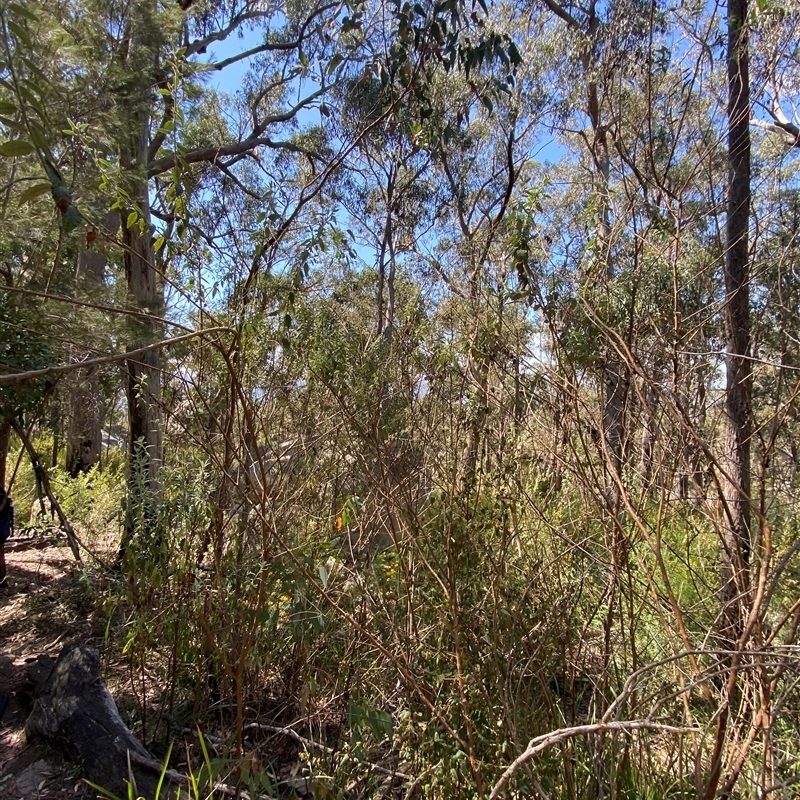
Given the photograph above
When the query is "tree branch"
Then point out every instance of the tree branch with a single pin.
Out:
(213, 154)
(562, 13)
(788, 130)
(200, 45)
(267, 47)
(20, 377)
(540, 743)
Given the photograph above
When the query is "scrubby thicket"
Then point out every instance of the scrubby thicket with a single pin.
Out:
(446, 358)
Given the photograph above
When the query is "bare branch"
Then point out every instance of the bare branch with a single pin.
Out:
(540, 743)
(213, 154)
(787, 129)
(20, 377)
(562, 13)
(200, 45)
(312, 745)
(128, 312)
(267, 47)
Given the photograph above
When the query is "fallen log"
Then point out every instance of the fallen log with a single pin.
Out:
(74, 710)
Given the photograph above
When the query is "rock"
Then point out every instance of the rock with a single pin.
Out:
(75, 711)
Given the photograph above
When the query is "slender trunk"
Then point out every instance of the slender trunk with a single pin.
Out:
(386, 265)
(614, 373)
(477, 370)
(143, 373)
(43, 484)
(736, 525)
(5, 443)
(388, 321)
(696, 458)
(648, 436)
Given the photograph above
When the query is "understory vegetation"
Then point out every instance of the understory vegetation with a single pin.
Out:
(420, 399)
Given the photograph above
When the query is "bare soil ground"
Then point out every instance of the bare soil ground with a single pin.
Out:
(41, 610)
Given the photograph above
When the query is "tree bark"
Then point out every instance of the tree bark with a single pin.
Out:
(84, 436)
(736, 500)
(614, 372)
(143, 378)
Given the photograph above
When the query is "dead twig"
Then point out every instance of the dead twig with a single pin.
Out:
(540, 743)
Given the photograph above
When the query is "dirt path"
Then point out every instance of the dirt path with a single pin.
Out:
(42, 609)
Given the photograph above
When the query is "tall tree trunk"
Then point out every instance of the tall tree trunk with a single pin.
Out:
(736, 526)
(736, 540)
(477, 371)
(614, 372)
(84, 436)
(143, 384)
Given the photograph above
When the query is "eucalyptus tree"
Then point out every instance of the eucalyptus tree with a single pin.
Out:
(105, 85)
(737, 538)
(152, 86)
(386, 187)
(32, 83)
(603, 39)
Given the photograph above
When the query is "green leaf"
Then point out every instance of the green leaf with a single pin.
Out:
(32, 100)
(34, 191)
(7, 108)
(39, 139)
(334, 62)
(35, 71)
(102, 791)
(20, 33)
(16, 147)
(13, 124)
(131, 221)
(22, 11)
(52, 172)
(323, 575)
